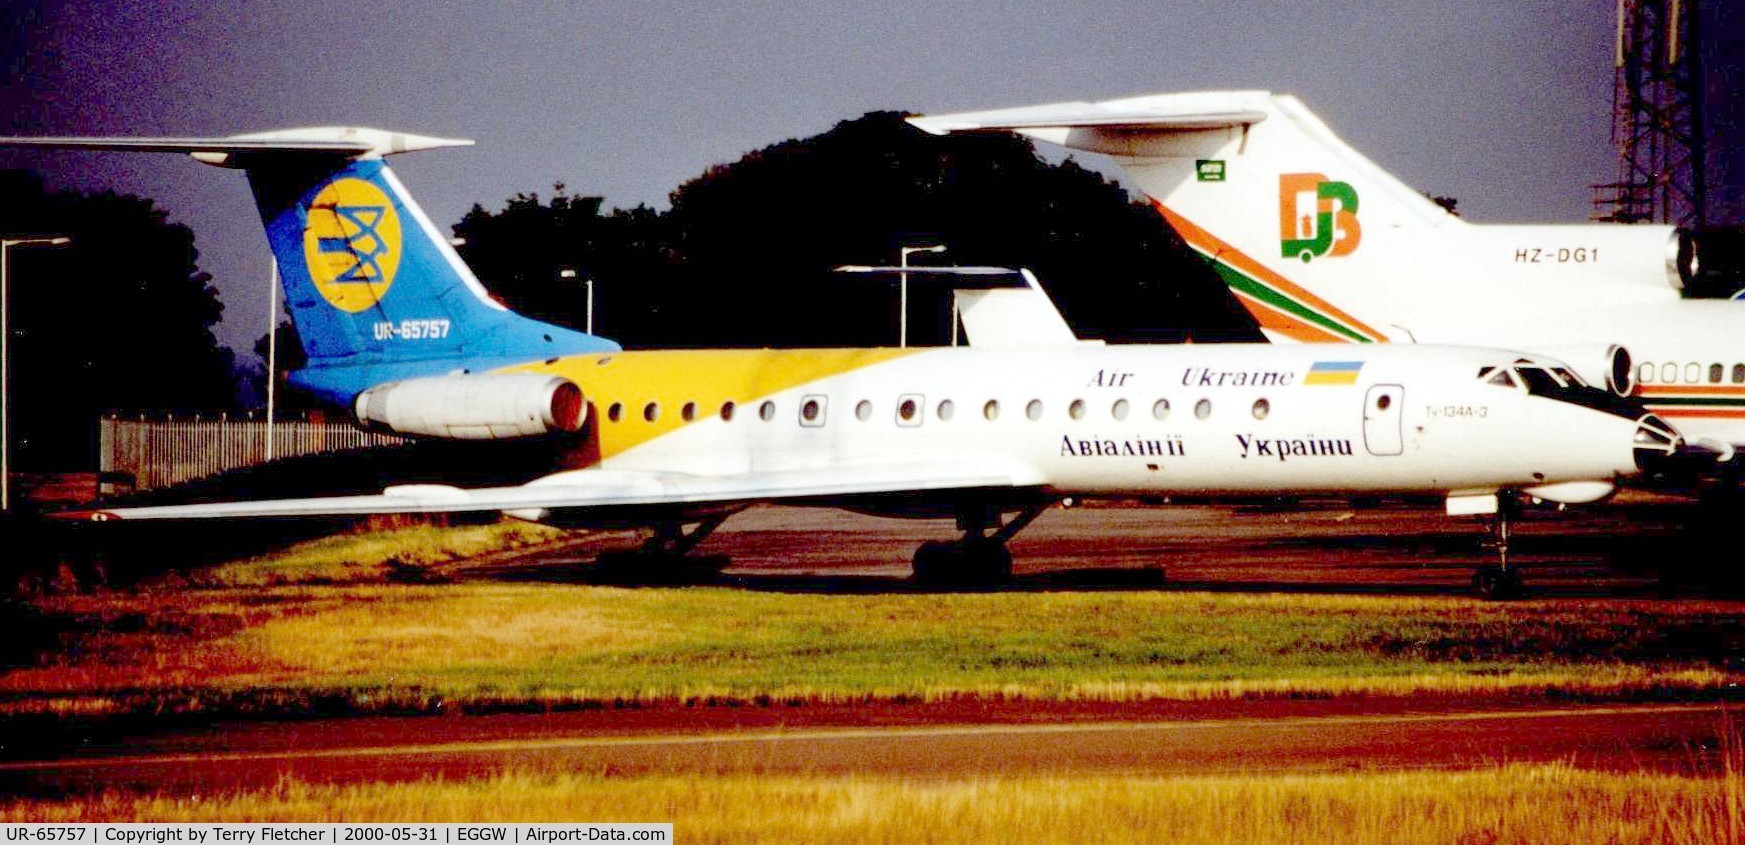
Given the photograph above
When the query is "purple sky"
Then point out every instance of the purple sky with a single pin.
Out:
(1505, 106)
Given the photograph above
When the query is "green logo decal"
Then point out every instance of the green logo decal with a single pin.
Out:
(1209, 170)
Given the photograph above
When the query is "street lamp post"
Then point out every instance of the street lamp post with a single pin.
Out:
(6, 244)
(903, 254)
(567, 273)
(272, 350)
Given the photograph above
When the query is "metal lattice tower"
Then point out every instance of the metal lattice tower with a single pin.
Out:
(1657, 123)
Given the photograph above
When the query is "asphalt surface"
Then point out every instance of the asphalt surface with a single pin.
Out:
(1195, 740)
(1313, 546)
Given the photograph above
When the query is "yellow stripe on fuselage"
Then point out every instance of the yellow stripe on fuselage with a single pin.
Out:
(670, 378)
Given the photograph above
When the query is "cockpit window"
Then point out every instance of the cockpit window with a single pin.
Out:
(1558, 382)
(1540, 382)
(1569, 378)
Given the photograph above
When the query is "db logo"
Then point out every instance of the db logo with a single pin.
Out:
(1316, 216)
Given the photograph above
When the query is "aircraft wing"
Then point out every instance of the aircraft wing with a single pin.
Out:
(597, 488)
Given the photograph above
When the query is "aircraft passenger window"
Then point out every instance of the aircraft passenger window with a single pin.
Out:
(1077, 409)
(1693, 372)
(651, 411)
(812, 411)
(909, 409)
(1119, 409)
(726, 411)
(991, 411)
(1160, 409)
(863, 410)
(1645, 373)
(1715, 371)
(1738, 373)
(1669, 373)
(946, 409)
(1263, 407)
(1202, 409)
(616, 412)
(1034, 409)
(689, 412)
(766, 411)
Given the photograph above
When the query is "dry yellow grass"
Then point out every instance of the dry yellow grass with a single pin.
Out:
(1510, 804)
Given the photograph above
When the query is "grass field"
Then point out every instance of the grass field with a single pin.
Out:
(368, 556)
(390, 645)
(321, 623)
(1507, 804)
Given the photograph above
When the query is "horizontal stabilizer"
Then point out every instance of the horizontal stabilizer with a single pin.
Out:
(1141, 113)
(341, 141)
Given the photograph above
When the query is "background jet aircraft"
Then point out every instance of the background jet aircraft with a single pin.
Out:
(1320, 244)
(397, 330)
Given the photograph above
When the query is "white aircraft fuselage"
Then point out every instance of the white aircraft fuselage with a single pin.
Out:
(1105, 420)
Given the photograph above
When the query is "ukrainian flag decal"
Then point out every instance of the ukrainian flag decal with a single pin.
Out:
(1333, 372)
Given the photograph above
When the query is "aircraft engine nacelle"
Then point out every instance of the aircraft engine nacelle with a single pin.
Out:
(496, 406)
(1609, 367)
(1711, 263)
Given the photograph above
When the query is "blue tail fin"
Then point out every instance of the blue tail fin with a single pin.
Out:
(376, 293)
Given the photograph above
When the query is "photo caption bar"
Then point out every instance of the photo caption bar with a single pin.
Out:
(219, 833)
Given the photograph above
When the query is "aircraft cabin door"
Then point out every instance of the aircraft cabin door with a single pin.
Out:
(1384, 419)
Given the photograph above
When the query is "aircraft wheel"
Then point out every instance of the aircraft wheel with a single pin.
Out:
(645, 567)
(1495, 582)
(977, 564)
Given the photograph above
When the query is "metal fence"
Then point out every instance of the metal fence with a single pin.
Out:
(160, 452)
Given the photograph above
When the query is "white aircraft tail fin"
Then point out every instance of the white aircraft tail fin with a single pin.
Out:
(1316, 240)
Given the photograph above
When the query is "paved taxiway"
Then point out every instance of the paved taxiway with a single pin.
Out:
(1315, 546)
(1242, 737)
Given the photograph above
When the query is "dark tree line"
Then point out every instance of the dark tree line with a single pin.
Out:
(745, 255)
(121, 317)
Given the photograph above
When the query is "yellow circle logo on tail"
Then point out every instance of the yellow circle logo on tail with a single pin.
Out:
(351, 242)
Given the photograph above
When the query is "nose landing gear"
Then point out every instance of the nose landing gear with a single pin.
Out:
(1500, 580)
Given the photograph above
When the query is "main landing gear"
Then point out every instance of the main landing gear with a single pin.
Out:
(980, 558)
(662, 558)
(1500, 580)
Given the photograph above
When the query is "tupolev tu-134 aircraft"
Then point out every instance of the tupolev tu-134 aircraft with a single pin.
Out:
(397, 330)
